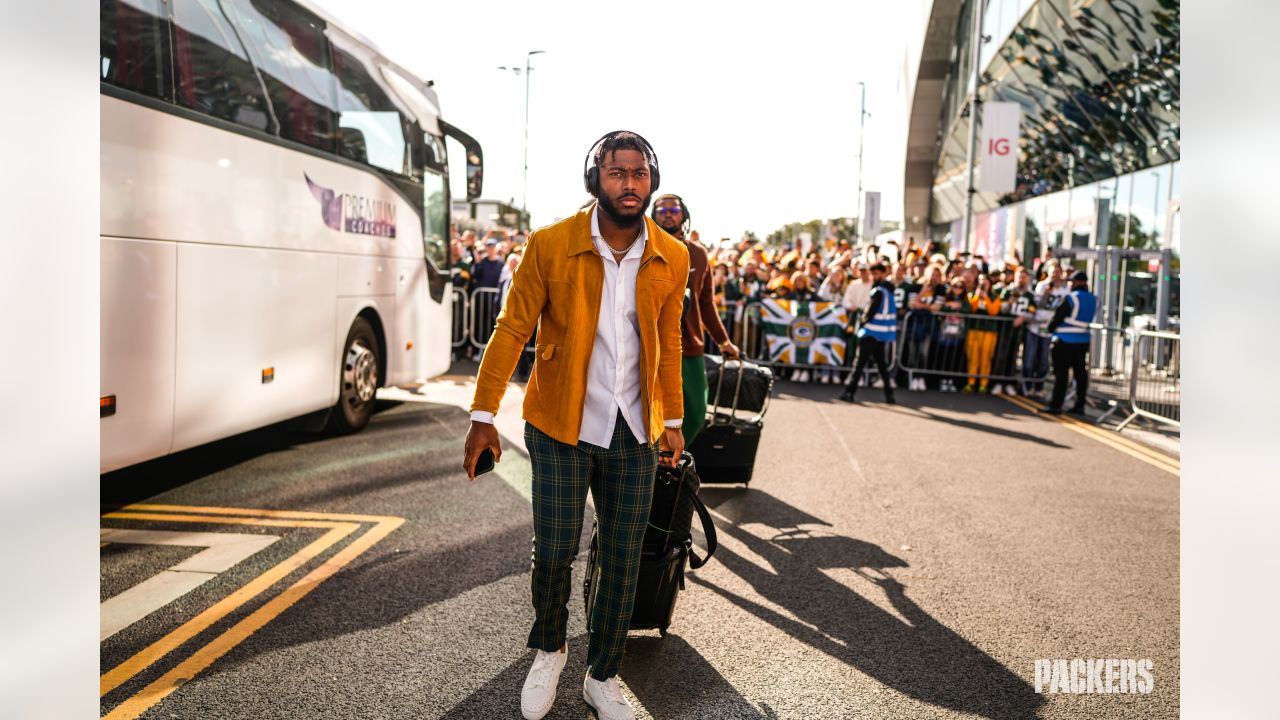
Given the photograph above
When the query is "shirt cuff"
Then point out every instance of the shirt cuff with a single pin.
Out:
(482, 416)
(678, 422)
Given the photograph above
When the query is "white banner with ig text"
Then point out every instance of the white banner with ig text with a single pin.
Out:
(999, 147)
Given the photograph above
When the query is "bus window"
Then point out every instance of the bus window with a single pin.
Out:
(131, 37)
(435, 219)
(213, 69)
(370, 127)
(289, 50)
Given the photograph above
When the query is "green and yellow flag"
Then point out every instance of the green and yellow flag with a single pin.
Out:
(804, 333)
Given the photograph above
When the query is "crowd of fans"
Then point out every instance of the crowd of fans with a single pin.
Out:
(961, 319)
(484, 261)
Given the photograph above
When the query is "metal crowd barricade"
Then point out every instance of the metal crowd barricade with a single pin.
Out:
(1155, 378)
(482, 311)
(461, 306)
(1110, 349)
(946, 345)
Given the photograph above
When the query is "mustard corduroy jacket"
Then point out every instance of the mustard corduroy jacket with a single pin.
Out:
(556, 289)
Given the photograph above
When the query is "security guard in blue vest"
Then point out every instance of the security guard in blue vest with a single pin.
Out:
(1070, 329)
(879, 328)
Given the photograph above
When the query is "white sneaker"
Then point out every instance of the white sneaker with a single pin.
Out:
(607, 700)
(539, 690)
(995, 389)
(802, 376)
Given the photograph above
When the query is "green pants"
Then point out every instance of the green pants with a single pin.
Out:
(621, 481)
(694, 372)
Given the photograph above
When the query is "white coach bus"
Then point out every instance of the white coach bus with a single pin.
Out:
(275, 220)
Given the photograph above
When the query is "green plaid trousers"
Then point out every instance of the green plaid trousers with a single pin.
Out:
(621, 482)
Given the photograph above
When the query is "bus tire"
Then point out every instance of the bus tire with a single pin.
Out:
(357, 380)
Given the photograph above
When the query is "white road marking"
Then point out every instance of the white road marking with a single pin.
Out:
(222, 552)
(853, 461)
(514, 469)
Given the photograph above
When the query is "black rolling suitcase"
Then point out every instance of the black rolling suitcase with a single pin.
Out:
(738, 384)
(726, 447)
(667, 544)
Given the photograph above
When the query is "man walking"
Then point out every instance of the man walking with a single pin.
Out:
(604, 289)
(700, 316)
(879, 328)
(1070, 328)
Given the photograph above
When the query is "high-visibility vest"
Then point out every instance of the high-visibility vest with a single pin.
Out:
(1075, 328)
(884, 324)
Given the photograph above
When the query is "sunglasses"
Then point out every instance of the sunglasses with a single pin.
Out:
(668, 211)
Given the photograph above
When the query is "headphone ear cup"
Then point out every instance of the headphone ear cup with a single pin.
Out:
(590, 179)
(653, 178)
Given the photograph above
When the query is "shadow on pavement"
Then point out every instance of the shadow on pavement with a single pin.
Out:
(756, 507)
(980, 427)
(430, 560)
(666, 675)
(672, 680)
(144, 480)
(500, 697)
(910, 652)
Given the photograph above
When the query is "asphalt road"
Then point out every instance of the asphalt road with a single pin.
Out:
(886, 562)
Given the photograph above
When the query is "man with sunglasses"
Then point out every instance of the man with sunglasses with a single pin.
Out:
(700, 316)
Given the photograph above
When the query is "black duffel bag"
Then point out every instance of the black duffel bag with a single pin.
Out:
(667, 544)
(738, 385)
(675, 500)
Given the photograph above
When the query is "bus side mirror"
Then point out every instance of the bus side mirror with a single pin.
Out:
(475, 159)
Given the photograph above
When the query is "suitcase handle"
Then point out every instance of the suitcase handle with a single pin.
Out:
(686, 460)
(737, 391)
(708, 530)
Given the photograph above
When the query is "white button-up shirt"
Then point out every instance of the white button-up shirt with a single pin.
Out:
(613, 376)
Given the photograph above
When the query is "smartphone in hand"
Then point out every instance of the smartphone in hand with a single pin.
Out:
(484, 463)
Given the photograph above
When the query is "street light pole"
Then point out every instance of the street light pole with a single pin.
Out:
(862, 120)
(974, 58)
(524, 191)
(1155, 209)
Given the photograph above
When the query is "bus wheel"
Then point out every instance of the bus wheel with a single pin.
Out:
(357, 379)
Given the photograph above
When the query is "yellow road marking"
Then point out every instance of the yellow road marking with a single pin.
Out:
(291, 514)
(148, 656)
(1097, 432)
(1129, 447)
(1124, 445)
(339, 527)
(1154, 454)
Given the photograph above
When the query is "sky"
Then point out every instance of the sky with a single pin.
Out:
(752, 111)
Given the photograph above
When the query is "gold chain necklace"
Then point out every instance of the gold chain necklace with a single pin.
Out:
(619, 254)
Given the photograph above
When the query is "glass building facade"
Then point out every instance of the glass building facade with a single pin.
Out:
(1097, 82)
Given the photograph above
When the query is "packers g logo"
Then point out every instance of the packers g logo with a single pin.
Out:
(802, 331)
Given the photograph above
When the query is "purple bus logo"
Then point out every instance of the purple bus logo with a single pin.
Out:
(354, 214)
